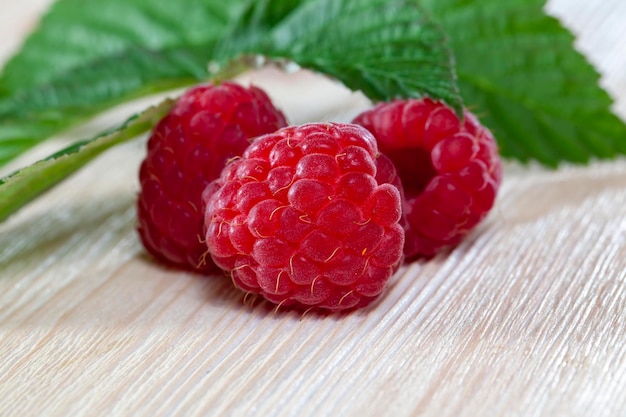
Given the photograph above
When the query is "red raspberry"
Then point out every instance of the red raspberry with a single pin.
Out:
(302, 220)
(187, 149)
(450, 169)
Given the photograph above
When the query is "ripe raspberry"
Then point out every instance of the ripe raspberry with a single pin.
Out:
(302, 220)
(187, 149)
(450, 169)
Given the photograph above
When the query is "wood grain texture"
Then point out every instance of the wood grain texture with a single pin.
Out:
(526, 318)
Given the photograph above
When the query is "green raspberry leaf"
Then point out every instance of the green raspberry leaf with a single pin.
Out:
(385, 48)
(265, 14)
(77, 33)
(88, 56)
(519, 72)
(25, 185)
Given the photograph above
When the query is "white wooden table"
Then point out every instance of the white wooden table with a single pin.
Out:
(526, 318)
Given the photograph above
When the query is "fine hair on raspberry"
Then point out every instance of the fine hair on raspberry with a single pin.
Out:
(302, 219)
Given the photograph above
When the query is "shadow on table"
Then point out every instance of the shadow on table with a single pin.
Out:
(33, 238)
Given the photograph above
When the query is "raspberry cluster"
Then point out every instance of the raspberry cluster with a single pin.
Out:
(449, 168)
(313, 216)
(209, 125)
(301, 218)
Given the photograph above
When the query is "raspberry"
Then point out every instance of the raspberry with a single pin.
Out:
(302, 219)
(450, 169)
(187, 149)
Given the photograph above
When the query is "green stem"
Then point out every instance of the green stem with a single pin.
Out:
(23, 186)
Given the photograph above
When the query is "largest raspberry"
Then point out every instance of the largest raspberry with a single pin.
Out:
(303, 220)
(450, 169)
(188, 148)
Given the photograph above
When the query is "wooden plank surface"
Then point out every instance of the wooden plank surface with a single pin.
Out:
(525, 318)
